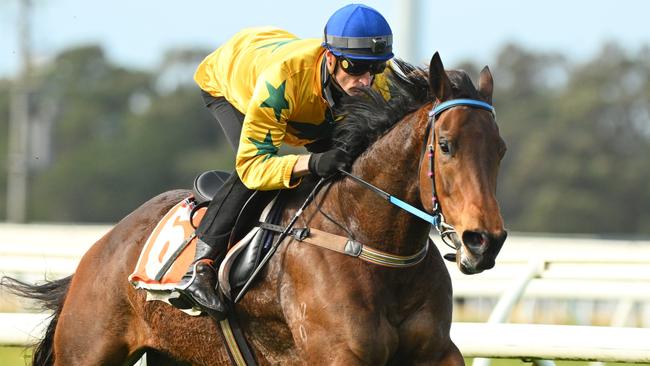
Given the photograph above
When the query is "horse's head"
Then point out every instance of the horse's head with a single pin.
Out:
(467, 152)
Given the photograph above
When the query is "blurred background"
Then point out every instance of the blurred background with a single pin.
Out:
(99, 113)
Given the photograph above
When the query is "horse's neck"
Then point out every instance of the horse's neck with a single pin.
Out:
(392, 164)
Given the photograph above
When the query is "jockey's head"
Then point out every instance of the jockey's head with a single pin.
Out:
(359, 42)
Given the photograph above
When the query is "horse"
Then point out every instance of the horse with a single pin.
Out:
(312, 305)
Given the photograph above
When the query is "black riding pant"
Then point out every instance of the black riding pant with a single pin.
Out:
(229, 118)
(222, 212)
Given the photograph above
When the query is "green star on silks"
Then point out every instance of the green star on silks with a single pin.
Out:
(277, 44)
(265, 147)
(276, 99)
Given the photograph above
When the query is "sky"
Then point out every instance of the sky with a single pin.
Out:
(136, 33)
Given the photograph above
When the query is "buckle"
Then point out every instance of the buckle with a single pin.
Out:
(353, 248)
(300, 234)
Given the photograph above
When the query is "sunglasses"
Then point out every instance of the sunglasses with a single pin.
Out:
(359, 67)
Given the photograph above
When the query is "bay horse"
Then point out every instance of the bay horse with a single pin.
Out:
(315, 306)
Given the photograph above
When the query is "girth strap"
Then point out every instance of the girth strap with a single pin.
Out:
(351, 247)
(238, 349)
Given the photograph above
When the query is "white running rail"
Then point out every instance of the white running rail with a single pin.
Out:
(530, 267)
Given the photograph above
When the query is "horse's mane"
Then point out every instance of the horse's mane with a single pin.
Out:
(369, 116)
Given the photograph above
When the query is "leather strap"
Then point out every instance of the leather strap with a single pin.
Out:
(350, 247)
(333, 242)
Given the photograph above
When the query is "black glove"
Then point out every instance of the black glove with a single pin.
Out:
(329, 162)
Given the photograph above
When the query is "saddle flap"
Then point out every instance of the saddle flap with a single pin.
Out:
(231, 258)
(244, 257)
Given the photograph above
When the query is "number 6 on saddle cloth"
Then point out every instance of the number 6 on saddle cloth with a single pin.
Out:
(170, 248)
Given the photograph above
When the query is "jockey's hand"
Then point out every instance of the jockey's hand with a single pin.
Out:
(329, 162)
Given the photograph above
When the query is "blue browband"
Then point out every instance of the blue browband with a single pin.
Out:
(461, 102)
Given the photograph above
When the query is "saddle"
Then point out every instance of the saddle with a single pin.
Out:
(249, 241)
(168, 251)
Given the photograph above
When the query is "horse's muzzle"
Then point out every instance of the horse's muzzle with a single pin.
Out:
(479, 250)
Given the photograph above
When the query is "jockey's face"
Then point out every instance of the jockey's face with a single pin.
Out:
(346, 81)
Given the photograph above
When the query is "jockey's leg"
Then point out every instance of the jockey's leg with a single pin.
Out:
(212, 243)
(229, 118)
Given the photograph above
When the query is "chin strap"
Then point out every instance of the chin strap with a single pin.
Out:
(331, 89)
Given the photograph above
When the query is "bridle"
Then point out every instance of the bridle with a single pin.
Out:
(447, 232)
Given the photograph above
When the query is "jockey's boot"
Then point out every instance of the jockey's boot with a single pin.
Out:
(201, 280)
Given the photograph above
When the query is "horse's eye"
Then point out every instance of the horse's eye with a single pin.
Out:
(444, 146)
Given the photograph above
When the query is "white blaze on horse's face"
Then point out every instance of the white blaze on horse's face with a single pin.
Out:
(468, 151)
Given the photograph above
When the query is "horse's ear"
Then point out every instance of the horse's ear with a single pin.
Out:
(485, 85)
(438, 80)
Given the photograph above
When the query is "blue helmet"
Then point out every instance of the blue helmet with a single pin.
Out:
(359, 32)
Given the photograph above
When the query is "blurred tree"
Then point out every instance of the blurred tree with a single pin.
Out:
(118, 139)
(579, 148)
(578, 137)
(524, 101)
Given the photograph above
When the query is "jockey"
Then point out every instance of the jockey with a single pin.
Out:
(267, 87)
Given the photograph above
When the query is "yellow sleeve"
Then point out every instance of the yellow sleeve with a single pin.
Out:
(263, 131)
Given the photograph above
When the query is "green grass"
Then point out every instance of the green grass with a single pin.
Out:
(509, 362)
(15, 356)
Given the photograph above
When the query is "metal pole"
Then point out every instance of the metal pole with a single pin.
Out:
(621, 316)
(19, 126)
(406, 32)
(509, 299)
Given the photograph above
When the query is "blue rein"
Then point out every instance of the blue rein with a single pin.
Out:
(433, 220)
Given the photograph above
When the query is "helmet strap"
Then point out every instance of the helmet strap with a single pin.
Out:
(332, 91)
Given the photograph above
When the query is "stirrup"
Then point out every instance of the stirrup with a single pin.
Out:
(201, 290)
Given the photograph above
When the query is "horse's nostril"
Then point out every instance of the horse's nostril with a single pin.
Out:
(474, 239)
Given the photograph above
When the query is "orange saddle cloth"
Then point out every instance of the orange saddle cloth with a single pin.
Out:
(169, 250)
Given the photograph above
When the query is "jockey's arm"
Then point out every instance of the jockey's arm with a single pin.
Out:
(263, 131)
(302, 166)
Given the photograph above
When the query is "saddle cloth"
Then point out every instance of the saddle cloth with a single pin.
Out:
(169, 251)
(174, 236)
(174, 233)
